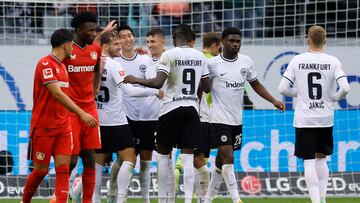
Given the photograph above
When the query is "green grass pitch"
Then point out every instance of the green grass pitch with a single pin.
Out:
(245, 200)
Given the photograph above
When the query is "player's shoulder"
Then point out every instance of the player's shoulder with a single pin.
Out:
(244, 57)
(112, 64)
(332, 58)
(46, 61)
(145, 58)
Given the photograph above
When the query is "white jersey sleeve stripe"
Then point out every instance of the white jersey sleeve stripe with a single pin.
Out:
(288, 79)
(164, 71)
(252, 80)
(205, 76)
(340, 77)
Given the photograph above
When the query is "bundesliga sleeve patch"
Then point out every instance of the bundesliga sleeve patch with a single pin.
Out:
(48, 73)
(122, 73)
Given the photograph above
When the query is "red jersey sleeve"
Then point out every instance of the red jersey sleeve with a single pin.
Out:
(46, 72)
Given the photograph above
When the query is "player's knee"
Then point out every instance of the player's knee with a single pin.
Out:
(199, 160)
(146, 155)
(88, 158)
(62, 169)
(162, 149)
(320, 155)
(226, 154)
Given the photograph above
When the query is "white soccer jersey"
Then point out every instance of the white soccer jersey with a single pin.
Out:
(109, 98)
(228, 83)
(151, 106)
(314, 75)
(185, 67)
(137, 67)
(204, 110)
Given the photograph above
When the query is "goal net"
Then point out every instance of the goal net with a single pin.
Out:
(273, 32)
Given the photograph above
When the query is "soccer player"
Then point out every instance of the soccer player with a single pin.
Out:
(51, 135)
(229, 71)
(115, 131)
(84, 77)
(312, 78)
(142, 113)
(179, 74)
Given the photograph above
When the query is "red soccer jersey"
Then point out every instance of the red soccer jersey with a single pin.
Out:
(81, 68)
(47, 111)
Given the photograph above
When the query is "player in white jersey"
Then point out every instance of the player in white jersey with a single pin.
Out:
(312, 78)
(229, 72)
(115, 131)
(142, 113)
(179, 74)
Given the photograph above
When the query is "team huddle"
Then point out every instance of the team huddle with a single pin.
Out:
(177, 98)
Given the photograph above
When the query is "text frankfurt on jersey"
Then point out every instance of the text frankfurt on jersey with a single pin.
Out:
(188, 62)
(313, 66)
(185, 98)
(77, 69)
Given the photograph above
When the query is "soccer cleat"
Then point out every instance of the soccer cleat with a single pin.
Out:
(240, 201)
(53, 198)
(76, 190)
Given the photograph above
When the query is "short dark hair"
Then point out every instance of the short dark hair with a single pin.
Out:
(108, 37)
(125, 27)
(230, 31)
(184, 32)
(211, 38)
(82, 18)
(60, 37)
(155, 31)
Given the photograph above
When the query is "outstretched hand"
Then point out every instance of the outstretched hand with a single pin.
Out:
(110, 26)
(279, 105)
(160, 95)
(130, 79)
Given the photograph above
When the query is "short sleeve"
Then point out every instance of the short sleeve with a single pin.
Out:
(205, 71)
(211, 68)
(339, 73)
(290, 72)
(251, 73)
(164, 63)
(118, 74)
(46, 71)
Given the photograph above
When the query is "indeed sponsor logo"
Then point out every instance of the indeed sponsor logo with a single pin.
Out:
(76, 69)
(234, 84)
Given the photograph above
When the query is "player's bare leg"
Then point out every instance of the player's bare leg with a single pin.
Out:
(125, 173)
(88, 177)
(202, 171)
(145, 162)
(187, 157)
(227, 156)
(163, 157)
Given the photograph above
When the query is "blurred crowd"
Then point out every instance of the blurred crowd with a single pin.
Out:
(203, 16)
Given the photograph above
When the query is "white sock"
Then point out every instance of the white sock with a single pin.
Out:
(197, 185)
(98, 179)
(113, 177)
(204, 179)
(163, 175)
(230, 180)
(189, 173)
(171, 183)
(145, 180)
(214, 186)
(123, 180)
(323, 175)
(312, 180)
(72, 178)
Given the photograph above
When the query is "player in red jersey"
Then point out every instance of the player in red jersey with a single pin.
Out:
(50, 135)
(84, 78)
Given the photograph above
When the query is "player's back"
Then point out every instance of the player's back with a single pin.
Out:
(109, 98)
(314, 75)
(185, 67)
(81, 68)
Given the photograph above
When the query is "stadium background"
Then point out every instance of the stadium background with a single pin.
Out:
(273, 32)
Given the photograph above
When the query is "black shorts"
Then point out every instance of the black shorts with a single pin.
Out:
(115, 138)
(179, 128)
(205, 140)
(313, 140)
(223, 135)
(144, 133)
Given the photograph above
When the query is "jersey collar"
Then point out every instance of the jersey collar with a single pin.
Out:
(56, 59)
(78, 45)
(129, 59)
(229, 60)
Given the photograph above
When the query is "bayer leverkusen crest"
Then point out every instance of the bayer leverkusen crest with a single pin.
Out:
(93, 55)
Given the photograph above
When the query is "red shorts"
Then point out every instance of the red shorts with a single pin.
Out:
(85, 137)
(47, 142)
